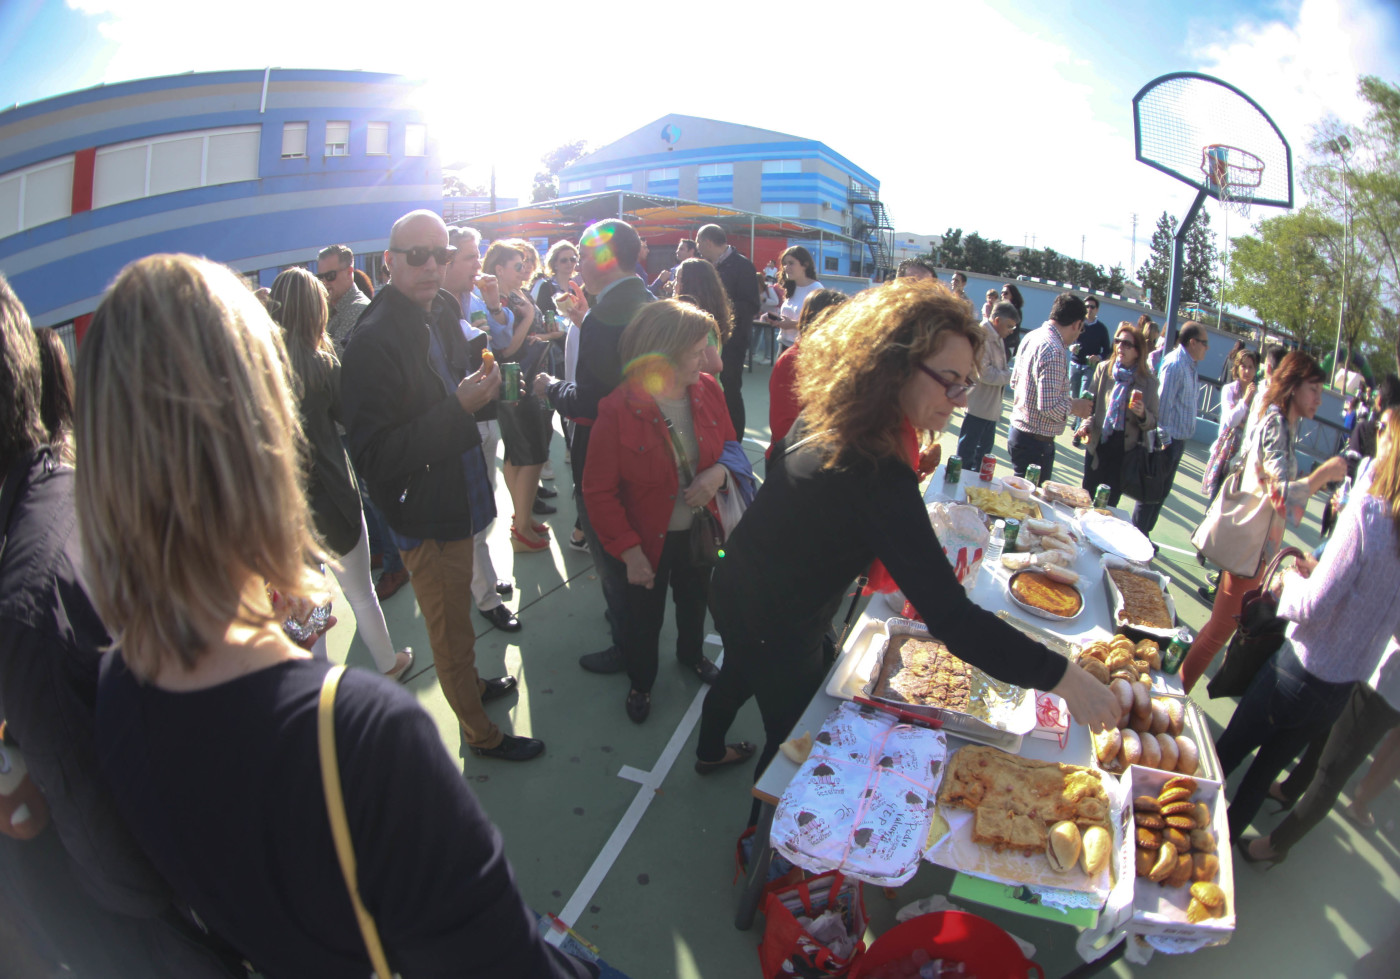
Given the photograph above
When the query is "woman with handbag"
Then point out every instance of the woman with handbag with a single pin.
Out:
(1236, 398)
(210, 722)
(877, 374)
(1124, 392)
(331, 490)
(1243, 529)
(1342, 615)
(650, 483)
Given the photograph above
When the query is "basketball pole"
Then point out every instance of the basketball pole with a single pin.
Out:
(1178, 257)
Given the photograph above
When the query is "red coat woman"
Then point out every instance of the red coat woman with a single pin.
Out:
(653, 458)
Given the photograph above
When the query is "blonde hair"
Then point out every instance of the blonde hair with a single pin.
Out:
(190, 453)
(1386, 483)
(530, 254)
(856, 359)
(302, 312)
(666, 329)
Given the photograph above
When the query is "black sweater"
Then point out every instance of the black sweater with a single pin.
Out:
(810, 531)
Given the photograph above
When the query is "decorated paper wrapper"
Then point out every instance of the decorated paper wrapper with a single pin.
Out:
(863, 800)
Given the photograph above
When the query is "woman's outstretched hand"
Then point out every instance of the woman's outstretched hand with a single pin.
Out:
(1089, 701)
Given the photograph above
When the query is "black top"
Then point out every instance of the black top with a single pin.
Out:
(223, 789)
(1093, 342)
(810, 531)
(50, 643)
(331, 490)
(740, 280)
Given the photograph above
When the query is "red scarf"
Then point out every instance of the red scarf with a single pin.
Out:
(880, 580)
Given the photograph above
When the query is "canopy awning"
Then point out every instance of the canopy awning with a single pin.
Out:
(652, 216)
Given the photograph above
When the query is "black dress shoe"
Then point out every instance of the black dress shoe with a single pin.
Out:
(502, 618)
(610, 660)
(638, 706)
(706, 670)
(504, 589)
(513, 748)
(542, 508)
(545, 493)
(497, 687)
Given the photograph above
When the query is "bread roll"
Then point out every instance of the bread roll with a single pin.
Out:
(1176, 717)
(1063, 846)
(1123, 690)
(1151, 752)
(1132, 748)
(1160, 718)
(1097, 845)
(1170, 752)
(1189, 756)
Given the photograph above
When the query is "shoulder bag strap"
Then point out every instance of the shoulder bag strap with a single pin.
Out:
(340, 825)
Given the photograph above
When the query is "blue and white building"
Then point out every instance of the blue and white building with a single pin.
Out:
(752, 169)
(256, 169)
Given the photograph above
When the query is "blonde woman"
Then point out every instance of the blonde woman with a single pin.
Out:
(331, 490)
(189, 498)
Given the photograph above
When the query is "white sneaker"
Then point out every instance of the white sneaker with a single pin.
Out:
(547, 472)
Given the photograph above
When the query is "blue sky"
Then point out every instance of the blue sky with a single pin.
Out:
(1009, 117)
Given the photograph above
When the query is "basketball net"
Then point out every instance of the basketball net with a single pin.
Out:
(1233, 175)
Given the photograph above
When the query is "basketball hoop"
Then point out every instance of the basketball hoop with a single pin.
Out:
(1232, 175)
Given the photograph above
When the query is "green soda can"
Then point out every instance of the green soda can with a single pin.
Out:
(510, 382)
(1013, 530)
(952, 470)
(1101, 495)
(1033, 474)
(1176, 650)
(478, 319)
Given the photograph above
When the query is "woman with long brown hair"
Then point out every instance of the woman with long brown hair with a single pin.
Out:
(1124, 393)
(1294, 394)
(798, 281)
(697, 281)
(879, 374)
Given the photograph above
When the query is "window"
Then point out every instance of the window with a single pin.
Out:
(338, 138)
(415, 139)
(578, 186)
(618, 180)
(36, 195)
(782, 166)
(183, 161)
(832, 263)
(780, 209)
(659, 176)
(377, 139)
(293, 140)
(716, 170)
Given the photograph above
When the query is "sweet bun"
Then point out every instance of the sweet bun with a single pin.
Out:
(1188, 755)
(1132, 748)
(1170, 752)
(1151, 752)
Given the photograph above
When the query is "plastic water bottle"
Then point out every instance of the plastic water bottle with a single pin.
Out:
(995, 545)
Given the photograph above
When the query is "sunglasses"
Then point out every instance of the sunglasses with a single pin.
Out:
(1091, 306)
(1125, 342)
(953, 391)
(328, 277)
(418, 256)
(570, 259)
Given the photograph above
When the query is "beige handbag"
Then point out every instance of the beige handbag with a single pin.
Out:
(340, 826)
(1240, 520)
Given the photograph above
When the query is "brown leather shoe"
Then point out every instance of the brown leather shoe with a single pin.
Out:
(389, 583)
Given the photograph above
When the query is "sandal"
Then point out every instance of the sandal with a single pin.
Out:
(743, 751)
(403, 659)
(1355, 818)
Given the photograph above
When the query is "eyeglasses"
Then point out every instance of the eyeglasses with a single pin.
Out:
(328, 277)
(419, 255)
(953, 391)
(570, 259)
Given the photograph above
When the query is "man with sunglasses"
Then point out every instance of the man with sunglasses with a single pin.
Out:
(1092, 348)
(1042, 396)
(979, 427)
(409, 399)
(335, 267)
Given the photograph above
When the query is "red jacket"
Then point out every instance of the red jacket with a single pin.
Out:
(783, 407)
(630, 481)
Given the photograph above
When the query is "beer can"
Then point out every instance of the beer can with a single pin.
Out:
(1013, 530)
(1101, 494)
(989, 468)
(478, 319)
(952, 470)
(1176, 650)
(510, 382)
(1033, 473)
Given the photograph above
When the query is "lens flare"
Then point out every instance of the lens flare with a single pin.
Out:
(653, 373)
(599, 241)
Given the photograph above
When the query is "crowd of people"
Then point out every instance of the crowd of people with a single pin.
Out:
(171, 512)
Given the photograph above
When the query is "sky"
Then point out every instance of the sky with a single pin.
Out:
(1012, 118)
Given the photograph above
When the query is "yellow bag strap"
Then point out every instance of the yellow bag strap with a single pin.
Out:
(340, 826)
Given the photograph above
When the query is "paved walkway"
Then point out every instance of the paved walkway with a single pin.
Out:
(613, 823)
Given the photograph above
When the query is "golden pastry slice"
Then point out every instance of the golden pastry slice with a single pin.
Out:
(1181, 782)
(1203, 841)
(1149, 820)
(1144, 861)
(1205, 866)
(1148, 839)
(1186, 823)
(1168, 796)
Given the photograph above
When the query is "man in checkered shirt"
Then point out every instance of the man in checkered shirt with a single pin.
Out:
(1042, 398)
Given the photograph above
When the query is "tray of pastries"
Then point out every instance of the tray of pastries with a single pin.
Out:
(1139, 600)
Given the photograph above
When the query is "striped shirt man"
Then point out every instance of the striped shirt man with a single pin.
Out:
(1179, 394)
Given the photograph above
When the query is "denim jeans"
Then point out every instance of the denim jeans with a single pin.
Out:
(976, 439)
(1284, 708)
(1079, 374)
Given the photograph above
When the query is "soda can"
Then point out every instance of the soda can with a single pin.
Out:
(1101, 494)
(1013, 530)
(1033, 473)
(989, 468)
(1176, 650)
(952, 471)
(510, 382)
(478, 319)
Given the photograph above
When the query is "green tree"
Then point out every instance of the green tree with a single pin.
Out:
(983, 256)
(1116, 280)
(1028, 262)
(1156, 273)
(454, 186)
(1052, 265)
(1199, 263)
(950, 251)
(546, 186)
(1283, 275)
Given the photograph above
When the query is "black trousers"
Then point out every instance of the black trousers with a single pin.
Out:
(1025, 450)
(1145, 514)
(731, 375)
(1330, 760)
(1110, 468)
(646, 611)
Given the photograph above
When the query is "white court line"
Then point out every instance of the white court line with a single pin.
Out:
(1168, 547)
(647, 784)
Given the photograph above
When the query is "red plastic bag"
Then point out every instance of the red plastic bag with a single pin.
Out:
(788, 949)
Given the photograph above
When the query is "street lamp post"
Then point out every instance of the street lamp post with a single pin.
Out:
(1342, 146)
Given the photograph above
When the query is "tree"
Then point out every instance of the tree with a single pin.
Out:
(1116, 280)
(546, 186)
(454, 186)
(1284, 277)
(983, 256)
(1156, 273)
(1028, 262)
(1199, 263)
(950, 252)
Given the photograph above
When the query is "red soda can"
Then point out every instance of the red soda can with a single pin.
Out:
(989, 468)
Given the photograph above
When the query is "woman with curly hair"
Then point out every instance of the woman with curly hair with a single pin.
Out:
(882, 372)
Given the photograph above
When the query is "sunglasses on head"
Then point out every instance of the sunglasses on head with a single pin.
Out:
(419, 255)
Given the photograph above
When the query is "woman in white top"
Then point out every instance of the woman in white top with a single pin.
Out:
(1236, 397)
(798, 279)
